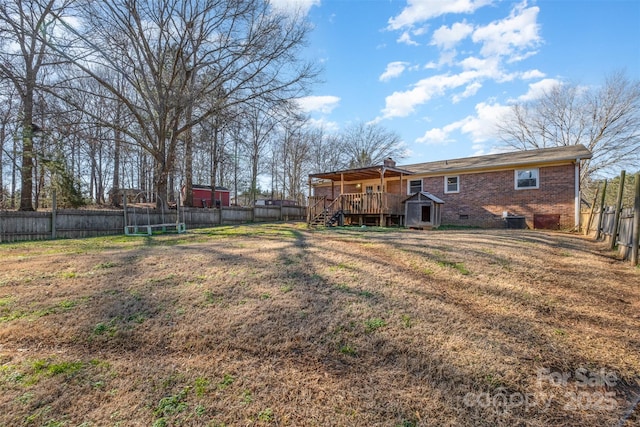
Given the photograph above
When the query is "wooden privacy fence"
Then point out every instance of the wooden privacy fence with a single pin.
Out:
(605, 220)
(75, 223)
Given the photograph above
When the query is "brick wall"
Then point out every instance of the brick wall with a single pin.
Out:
(483, 197)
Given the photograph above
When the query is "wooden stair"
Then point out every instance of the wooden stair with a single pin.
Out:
(329, 217)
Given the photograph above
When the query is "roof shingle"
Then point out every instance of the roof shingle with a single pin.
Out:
(503, 160)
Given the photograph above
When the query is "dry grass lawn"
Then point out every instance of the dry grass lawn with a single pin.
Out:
(279, 325)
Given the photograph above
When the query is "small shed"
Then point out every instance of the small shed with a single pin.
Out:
(202, 196)
(422, 210)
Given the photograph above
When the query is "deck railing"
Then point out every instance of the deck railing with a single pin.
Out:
(358, 204)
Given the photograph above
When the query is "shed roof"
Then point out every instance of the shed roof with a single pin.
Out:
(208, 187)
(425, 194)
(501, 160)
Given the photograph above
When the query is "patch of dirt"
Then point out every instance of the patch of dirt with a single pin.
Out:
(280, 325)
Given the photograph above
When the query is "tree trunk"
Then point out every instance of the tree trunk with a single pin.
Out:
(2, 137)
(160, 178)
(26, 172)
(214, 164)
(117, 136)
(188, 167)
(14, 154)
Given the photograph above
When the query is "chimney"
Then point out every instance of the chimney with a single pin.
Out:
(389, 163)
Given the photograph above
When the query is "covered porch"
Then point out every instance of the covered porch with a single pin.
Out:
(363, 196)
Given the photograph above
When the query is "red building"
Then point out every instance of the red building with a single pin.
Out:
(202, 196)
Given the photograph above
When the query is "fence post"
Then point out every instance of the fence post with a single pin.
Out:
(593, 206)
(616, 218)
(54, 207)
(601, 219)
(636, 222)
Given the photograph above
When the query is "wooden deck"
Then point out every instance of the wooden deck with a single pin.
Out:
(355, 206)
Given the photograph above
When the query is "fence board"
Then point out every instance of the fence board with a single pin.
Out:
(15, 226)
(625, 231)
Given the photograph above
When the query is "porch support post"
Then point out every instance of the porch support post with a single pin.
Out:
(576, 208)
(381, 202)
(341, 190)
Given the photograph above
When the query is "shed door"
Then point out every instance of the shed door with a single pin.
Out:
(426, 213)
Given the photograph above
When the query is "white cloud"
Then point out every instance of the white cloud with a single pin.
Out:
(448, 37)
(481, 127)
(512, 36)
(294, 6)
(532, 74)
(323, 104)
(324, 124)
(538, 88)
(488, 49)
(394, 69)
(469, 91)
(437, 136)
(419, 31)
(487, 66)
(402, 104)
(422, 10)
(406, 39)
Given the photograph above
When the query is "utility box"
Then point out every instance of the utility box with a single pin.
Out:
(517, 222)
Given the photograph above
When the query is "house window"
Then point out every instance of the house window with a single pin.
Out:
(415, 186)
(527, 178)
(368, 189)
(451, 184)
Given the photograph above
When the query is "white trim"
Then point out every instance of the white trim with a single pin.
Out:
(515, 179)
(446, 184)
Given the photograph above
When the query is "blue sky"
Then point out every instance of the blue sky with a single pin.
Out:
(440, 72)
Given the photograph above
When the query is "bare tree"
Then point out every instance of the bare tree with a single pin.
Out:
(8, 117)
(292, 157)
(606, 120)
(298, 165)
(23, 54)
(325, 152)
(259, 127)
(368, 144)
(174, 55)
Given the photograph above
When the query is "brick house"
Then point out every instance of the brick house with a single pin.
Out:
(541, 186)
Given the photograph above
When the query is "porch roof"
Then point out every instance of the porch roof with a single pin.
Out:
(362, 174)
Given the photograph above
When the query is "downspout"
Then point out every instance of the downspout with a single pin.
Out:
(577, 195)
